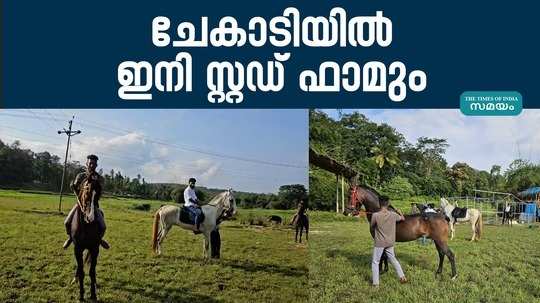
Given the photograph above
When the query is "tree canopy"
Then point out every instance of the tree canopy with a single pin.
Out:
(23, 168)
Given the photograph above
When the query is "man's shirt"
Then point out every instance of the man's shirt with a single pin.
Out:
(189, 193)
(385, 227)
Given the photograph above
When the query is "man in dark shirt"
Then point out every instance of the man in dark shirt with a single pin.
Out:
(91, 165)
(384, 224)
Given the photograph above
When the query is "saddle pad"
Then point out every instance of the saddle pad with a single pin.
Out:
(188, 217)
(459, 212)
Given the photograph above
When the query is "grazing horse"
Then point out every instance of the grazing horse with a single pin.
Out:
(472, 215)
(220, 207)
(275, 219)
(413, 227)
(86, 235)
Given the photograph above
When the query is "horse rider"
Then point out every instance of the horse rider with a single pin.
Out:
(384, 224)
(91, 165)
(191, 203)
(300, 212)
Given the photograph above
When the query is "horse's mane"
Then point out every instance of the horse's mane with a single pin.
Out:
(217, 198)
(371, 189)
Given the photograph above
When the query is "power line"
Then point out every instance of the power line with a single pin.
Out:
(142, 161)
(177, 146)
(70, 133)
(222, 171)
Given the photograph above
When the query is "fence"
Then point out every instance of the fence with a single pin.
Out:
(492, 208)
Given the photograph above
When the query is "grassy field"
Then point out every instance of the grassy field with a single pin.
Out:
(504, 266)
(259, 264)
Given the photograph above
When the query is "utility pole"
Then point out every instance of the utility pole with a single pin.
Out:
(69, 134)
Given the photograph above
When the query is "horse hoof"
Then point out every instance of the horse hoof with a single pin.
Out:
(454, 278)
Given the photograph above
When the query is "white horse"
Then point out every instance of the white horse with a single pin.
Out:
(221, 206)
(474, 216)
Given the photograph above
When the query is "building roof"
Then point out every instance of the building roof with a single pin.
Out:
(531, 192)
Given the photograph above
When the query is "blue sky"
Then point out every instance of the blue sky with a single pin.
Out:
(478, 141)
(172, 145)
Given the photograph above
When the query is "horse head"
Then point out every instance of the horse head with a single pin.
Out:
(226, 202)
(366, 197)
(446, 206)
(86, 198)
(229, 206)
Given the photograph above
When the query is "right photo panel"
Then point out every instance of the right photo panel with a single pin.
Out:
(423, 206)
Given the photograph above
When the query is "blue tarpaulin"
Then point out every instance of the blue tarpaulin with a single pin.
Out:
(531, 192)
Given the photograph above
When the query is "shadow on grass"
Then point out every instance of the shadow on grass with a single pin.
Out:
(41, 212)
(248, 266)
(364, 260)
(156, 292)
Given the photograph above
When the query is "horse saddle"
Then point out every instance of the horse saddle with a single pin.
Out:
(188, 214)
(459, 212)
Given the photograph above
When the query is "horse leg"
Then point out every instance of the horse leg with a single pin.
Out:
(296, 235)
(307, 232)
(441, 258)
(301, 230)
(215, 242)
(161, 236)
(473, 227)
(383, 264)
(206, 247)
(80, 271)
(452, 229)
(451, 257)
(93, 262)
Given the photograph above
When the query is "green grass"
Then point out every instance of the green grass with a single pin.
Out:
(258, 264)
(503, 266)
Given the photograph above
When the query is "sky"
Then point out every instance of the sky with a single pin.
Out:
(479, 141)
(245, 149)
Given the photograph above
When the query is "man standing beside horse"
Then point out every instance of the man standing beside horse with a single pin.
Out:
(91, 165)
(384, 224)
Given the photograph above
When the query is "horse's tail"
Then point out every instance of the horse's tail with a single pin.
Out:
(155, 227)
(479, 225)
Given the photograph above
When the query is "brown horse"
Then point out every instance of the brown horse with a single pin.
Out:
(413, 227)
(301, 222)
(86, 235)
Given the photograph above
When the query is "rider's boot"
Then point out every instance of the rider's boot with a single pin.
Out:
(104, 244)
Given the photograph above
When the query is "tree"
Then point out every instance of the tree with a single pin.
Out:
(398, 188)
(290, 195)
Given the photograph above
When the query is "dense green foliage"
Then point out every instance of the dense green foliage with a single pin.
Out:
(23, 168)
(400, 169)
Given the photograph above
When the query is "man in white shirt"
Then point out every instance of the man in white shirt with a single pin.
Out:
(191, 203)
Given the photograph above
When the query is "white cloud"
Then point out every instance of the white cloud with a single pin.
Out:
(479, 141)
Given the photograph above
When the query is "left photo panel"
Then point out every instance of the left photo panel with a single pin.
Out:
(154, 205)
